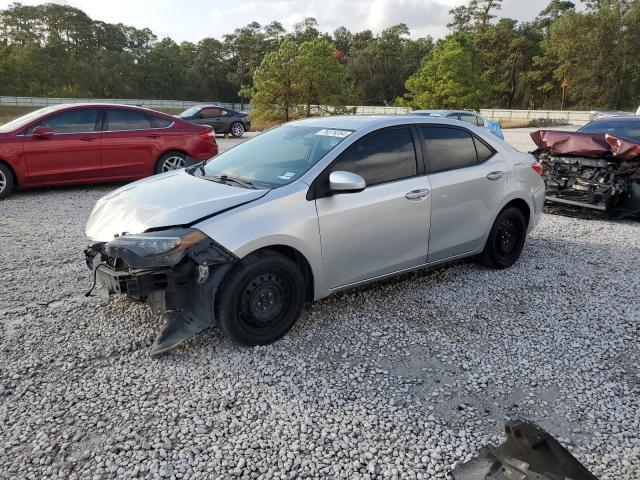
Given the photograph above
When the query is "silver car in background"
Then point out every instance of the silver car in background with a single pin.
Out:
(465, 116)
(312, 207)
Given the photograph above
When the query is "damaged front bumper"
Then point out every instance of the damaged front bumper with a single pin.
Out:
(180, 284)
(598, 171)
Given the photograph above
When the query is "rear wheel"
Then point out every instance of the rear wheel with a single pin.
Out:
(506, 239)
(171, 161)
(6, 181)
(260, 299)
(237, 129)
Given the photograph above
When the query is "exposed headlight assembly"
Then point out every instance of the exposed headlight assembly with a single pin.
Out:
(166, 248)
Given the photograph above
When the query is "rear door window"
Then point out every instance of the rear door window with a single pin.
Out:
(469, 118)
(484, 151)
(159, 122)
(210, 112)
(119, 120)
(381, 157)
(448, 148)
(75, 121)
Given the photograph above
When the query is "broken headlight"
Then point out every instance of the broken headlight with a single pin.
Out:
(153, 249)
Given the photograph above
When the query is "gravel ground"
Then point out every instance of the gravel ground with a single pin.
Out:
(397, 380)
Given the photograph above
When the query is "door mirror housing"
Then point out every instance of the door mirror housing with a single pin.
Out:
(43, 132)
(346, 182)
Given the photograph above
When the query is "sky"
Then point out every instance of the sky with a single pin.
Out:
(193, 20)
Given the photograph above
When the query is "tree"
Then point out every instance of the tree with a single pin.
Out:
(297, 75)
(450, 76)
(276, 93)
(379, 66)
(320, 75)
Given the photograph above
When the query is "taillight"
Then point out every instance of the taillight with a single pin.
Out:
(208, 135)
(537, 166)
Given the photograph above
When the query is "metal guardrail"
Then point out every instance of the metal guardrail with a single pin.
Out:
(176, 104)
(570, 117)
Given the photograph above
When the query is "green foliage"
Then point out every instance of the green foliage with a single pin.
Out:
(565, 58)
(296, 76)
(276, 92)
(378, 66)
(450, 76)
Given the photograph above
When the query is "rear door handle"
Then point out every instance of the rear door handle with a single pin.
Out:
(495, 175)
(153, 135)
(418, 194)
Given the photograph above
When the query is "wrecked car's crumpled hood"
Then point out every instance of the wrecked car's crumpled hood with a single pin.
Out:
(586, 144)
(171, 199)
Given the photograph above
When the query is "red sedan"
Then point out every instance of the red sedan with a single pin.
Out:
(92, 143)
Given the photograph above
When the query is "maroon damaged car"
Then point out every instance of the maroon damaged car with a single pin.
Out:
(596, 167)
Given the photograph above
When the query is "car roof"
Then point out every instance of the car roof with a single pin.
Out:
(373, 122)
(618, 118)
(66, 106)
(441, 112)
(212, 105)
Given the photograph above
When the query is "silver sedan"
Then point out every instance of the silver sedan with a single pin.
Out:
(242, 241)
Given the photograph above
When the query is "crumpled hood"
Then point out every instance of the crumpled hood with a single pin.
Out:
(166, 200)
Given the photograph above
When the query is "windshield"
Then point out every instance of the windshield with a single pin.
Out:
(620, 128)
(276, 157)
(189, 112)
(25, 119)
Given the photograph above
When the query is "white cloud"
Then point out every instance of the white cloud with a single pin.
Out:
(196, 19)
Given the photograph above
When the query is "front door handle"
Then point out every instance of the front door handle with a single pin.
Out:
(418, 194)
(88, 139)
(495, 175)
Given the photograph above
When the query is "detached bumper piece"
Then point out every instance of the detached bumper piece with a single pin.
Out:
(182, 293)
(528, 453)
(593, 170)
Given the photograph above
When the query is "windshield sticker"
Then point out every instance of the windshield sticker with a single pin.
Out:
(287, 176)
(325, 132)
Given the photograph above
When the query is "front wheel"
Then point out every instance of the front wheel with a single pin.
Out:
(506, 239)
(260, 299)
(171, 161)
(6, 181)
(237, 129)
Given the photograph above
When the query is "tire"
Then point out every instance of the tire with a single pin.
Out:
(6, 181)
(260, 299)
(237, 129)
(171, 161)
(506, 240)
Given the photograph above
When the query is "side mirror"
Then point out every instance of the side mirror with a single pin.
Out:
(346, 182)
(43, 132)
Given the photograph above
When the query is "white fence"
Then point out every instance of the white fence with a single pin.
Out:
(177, 104)
(569, 117)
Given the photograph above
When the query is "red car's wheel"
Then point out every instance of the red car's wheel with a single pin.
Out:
(6, 181)
(171, 161)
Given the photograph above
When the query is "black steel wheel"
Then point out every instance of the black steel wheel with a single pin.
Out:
(260, 299)
(506, 239)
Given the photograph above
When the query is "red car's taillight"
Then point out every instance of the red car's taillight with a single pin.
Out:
(537, 166)
(208, 135)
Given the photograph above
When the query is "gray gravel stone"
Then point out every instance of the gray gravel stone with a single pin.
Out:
(397, 380)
